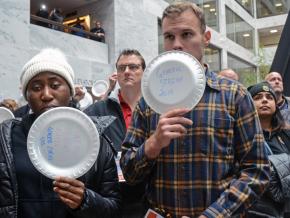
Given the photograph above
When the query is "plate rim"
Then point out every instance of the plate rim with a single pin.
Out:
(144, 87)
(8, 112)
(76, 171)
(99, 81)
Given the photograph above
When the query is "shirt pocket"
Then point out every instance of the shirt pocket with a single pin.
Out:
(216, 137)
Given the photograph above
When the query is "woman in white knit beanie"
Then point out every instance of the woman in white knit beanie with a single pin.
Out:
(53, 62)
(47, 82)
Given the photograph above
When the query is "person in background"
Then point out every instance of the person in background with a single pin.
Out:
(80, 26)
(276, 81)
(79, 92)
(120, 103)
(79, 95)
(55, 15)
(277, 136)
(43, 13)
(99, 32)
(47, 82)
(283, 102)
(229, 73)
(112, 84)
(208, 161)
(10, 104)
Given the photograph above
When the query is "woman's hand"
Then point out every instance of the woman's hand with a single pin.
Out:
(70, 191)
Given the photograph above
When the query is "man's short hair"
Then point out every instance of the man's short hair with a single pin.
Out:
(128, 52)
(270, 73)
(229, 73)
(176, 8)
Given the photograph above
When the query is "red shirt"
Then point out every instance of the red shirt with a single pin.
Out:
(127, 112)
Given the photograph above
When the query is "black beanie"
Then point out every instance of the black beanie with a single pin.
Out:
(261, 87)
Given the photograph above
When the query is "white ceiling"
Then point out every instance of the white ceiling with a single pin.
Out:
(64, 5)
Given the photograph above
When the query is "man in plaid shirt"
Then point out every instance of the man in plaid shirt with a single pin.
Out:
(206, 162)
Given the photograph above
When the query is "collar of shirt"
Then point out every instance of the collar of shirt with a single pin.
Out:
(211, 79)
(126, 110)
(284, 104)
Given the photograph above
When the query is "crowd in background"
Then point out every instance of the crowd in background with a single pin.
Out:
(80, 27)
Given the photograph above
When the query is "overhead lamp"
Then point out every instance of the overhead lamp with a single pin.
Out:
(212, 10)
(206, 5)
(278, 4)
(273, 31)
(43, 7)
(246, 35)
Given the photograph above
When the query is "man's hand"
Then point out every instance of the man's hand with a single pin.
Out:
(112, 81)
(170, 126)
(70, 191)
(79, 93)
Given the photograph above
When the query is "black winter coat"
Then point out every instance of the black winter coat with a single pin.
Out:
(276, 198)
(110, 106)
(102, 197)
(132, 195)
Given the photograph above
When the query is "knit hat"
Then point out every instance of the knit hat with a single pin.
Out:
(261, 87)
(47, 60)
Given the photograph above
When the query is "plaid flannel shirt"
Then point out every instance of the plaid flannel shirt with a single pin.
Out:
(218, 169)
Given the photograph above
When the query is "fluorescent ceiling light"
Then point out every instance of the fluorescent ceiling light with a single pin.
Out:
(212, 10)
(278, 4)
(206, 6)
(273, 31)
(246, 35)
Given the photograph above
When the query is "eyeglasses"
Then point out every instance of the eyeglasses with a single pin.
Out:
(133, 67)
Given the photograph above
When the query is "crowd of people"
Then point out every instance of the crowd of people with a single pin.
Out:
(56, 15)
(226, 157)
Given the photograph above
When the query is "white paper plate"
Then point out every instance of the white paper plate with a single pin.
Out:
(173, 79)
(99, 87)
(63, 142)
(5, 114)
(86, 101)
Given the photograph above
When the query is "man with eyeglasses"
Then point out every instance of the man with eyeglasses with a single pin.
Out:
(121, 103)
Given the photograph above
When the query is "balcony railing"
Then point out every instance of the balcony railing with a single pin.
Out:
(61, 27)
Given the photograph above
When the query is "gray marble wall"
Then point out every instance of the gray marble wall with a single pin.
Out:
(14, 41)
(135, 28)
(103, 10)
(20, 40)
(128, 24)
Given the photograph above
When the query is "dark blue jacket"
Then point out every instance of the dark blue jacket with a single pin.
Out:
(102, 197)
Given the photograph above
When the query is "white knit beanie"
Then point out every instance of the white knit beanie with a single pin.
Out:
(47, 60)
